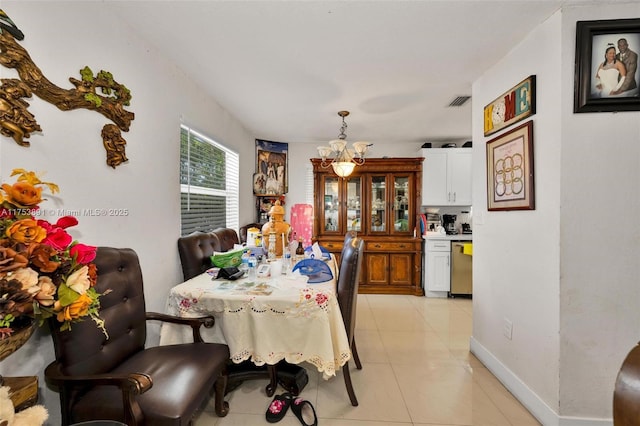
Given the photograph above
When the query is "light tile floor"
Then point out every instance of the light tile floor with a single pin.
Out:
(417, 370)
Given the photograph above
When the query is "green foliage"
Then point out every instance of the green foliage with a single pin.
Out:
(87, 74)
(6, 320)
(66, 296)
(94, 99)
(127, 94)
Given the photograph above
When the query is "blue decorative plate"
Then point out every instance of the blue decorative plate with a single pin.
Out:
(325, 252)
(317, 271)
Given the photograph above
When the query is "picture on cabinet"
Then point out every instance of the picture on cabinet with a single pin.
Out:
(606, 77)
(271, 168)
(510, 180)
(515, 105)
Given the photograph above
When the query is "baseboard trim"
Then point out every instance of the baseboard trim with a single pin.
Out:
(536, 406)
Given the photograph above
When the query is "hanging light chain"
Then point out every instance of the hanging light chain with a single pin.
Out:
(342, 134)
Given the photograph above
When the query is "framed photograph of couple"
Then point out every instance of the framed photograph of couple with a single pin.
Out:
(606, 75)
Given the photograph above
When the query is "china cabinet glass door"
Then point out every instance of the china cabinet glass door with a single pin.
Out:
(331, 214)
(401, 203)
(378, 197)
(353, 200)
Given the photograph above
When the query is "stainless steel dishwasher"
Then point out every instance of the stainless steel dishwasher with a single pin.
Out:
(461, 269)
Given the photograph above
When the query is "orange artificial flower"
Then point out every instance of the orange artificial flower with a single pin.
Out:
(23, 194)
(77, 309)
(26, 231)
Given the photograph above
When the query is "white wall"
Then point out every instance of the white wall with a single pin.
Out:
(62, 39)
(600, 265)
(516, 253)
(568, 283)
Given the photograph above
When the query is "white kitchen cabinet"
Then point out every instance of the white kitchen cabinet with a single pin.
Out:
(438, 266)
(446, 177)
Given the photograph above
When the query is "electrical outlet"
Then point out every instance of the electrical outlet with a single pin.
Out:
(507, 328)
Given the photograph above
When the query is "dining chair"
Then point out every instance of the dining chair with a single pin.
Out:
(349, 236)
(195, 252)
(348, 283)
(117, 377)
(626, 394)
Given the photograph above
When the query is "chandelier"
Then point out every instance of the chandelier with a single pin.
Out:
(343, 159)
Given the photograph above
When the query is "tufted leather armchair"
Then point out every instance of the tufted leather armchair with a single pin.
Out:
(195, 252)
(227, 237)
(196, 249)
(117, 378)
(348, 283)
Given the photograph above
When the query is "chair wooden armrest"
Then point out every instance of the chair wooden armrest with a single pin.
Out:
(195, 323)
(130, 385)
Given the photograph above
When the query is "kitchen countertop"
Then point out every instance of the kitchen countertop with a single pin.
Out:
(458, 237)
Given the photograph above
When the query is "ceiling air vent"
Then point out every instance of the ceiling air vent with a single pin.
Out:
(459, 101)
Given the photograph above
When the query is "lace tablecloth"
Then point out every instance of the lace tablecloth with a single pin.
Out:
(264, 320)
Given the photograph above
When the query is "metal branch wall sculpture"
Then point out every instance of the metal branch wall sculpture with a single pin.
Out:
(99, 93)
(15, 120)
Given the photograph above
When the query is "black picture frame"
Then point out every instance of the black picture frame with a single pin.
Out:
(592, 40)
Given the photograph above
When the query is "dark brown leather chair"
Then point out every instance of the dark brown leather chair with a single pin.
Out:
(117, 378)
(348, 283)
(228, 238)
(195, 252)
(242, 232)
(626, 395)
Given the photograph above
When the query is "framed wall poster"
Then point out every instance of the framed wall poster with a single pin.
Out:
(605, 51)
(271, 177)
(516, 104)
(510, 180)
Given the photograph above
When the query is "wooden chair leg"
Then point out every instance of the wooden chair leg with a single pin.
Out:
(221, 406)
(354, 353)
(349, 385)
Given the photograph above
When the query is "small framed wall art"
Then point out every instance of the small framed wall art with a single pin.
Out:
(510, 180)
(606, 77)
(514, 105)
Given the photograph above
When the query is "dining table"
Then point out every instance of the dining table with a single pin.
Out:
(290, 317)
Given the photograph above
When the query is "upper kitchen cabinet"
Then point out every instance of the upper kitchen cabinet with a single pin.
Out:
(380, 200)
(446, 177)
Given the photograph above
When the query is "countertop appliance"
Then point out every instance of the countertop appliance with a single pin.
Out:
(461, 268)
(449, 223)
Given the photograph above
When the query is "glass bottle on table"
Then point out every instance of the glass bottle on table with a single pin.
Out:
(300, 250)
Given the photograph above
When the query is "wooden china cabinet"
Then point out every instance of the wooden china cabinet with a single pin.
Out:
(380, 200)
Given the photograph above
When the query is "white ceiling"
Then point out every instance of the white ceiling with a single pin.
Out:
(285, 68)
